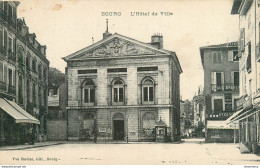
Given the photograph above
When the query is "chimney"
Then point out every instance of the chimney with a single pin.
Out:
(157, 41)
(106, 34)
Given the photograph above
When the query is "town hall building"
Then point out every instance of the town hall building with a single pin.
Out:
(122, 89)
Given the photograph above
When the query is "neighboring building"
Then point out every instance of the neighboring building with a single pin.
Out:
(249, 67)
(199, 107)
(119, 88)
(57, 114)
(199, 112)
(23, 71)
(182, 118)
(221, 88)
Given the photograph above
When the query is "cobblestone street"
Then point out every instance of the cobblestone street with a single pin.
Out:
(191, 151)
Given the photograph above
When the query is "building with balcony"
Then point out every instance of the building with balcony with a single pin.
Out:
(23, 79)
(119, 88)
(247, 106)
(221, 88)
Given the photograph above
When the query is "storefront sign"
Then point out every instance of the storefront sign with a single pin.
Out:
(102, 130)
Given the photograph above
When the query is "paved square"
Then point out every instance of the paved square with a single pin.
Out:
(188, 152)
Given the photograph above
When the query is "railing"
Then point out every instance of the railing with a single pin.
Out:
(11, 89)
(2, 86)
(225, 87)
(257, 54)
(231, 87)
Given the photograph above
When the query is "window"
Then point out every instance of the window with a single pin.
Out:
(149, 124)
(40, 96)
(89, 92)
(34, 94)
(40, 70)
(10, 43)
(34, 65)
(118, 91)
(28, 91)
(44, 74)
(235, 79)
(28, 61)
(217, 57)
(248, 61)
(20, 91)
(148, 90)
(233, 55)
(20, 57)
(217, 81)
(218, 106)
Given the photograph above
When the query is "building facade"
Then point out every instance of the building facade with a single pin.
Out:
(120, 89)
(23, 78)
(199, 112)
(221, 88)
(247, 114)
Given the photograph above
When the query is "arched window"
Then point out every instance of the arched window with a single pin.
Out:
(148, 90)
(40, 70)
(34, 65)
(20, 58)
(20, 90)
(88, 125)
(28, 91)
(89, 92)
(148, 121)
(118, 91)
(28, 61)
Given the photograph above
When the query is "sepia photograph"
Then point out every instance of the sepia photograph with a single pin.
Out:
(110, 82)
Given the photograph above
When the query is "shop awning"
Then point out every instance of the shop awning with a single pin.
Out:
(239, 116)
(233, 115)
(213, 124)
(19, 114)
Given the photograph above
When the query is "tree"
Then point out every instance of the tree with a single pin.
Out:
(55, 79)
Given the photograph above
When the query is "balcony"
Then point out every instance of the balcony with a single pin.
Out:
(11, 89)
(2, 86)
(226, 87)
(257, 54)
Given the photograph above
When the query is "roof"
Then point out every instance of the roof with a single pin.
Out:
(217, 46)
(84, 52)
(160, 123)
(230, 44)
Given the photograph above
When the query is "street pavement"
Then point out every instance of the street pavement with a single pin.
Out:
(189, 152)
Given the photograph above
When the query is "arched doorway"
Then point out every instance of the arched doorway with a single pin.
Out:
(118, 126)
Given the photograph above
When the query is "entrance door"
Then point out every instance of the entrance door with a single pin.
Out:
(118, 129)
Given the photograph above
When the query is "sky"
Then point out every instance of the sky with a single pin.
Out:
(66, 26)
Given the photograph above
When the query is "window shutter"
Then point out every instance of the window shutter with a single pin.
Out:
(222, 78)
(242, 37)
(5, 39)
(213, 77)
(230, 55)
(232, 77)
(14, 78)
(5, 73)
(1, 71)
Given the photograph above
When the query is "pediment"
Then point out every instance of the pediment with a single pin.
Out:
(116, 46)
